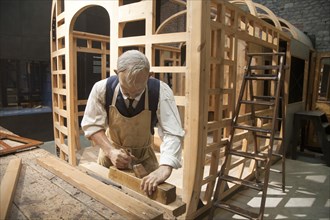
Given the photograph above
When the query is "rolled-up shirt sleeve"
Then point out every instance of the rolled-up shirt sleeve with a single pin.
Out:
(95, 116)
(169, 128)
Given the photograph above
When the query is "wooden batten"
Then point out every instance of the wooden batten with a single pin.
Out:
(196, 52)
(132, 12)
(108, 195)
(8, 186)
(165, 192)
(173, 209)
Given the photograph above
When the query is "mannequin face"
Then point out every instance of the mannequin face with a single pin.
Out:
(134, 90)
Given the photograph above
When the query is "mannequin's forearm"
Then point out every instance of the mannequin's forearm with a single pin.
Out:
(100, 139)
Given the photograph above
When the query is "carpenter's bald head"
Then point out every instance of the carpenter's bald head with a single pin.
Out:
(133, 71)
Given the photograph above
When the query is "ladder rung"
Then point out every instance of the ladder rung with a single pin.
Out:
(267, 117)
(275, 171)
(266, 54)
(273, 154)
(264, 97)
(248, 155)
(249, 184)
(265, 136)
(251, 128)
(265, 67)
(236, 210)
(277, 155)
(258, 102)
(276, 186)
(261, 77)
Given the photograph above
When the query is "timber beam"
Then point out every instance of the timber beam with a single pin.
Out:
(171, 211)
(8, 186)
(113, 198)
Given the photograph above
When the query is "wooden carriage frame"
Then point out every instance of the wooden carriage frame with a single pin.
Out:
(218, 35)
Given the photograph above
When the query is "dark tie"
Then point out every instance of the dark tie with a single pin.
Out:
(130, 106)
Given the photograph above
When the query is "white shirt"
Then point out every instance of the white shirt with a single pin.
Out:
(169, 123)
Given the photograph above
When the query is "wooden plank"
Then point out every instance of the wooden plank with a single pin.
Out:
(195, 114)
(165, 192)
(180, 100)
(8, 186)
(132, 12)
(71, 101)
(109, 196)
(91, 50)
(91, 36)
(154, 39)
(173, 209)
(42, 195)
(168, 69)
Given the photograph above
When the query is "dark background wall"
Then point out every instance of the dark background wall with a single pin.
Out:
(24, 29)
(311, 17)
(24, 67)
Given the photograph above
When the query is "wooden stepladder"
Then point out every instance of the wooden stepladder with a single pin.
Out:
(268, 135)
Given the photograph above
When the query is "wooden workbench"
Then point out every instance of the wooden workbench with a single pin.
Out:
(42, 195)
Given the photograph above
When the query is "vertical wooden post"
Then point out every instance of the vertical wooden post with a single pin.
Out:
(114, 28)
(195, 114)
(71, 95)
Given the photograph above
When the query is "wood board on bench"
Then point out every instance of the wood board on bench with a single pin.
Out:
(115, 199)
(8, 186)
(172, 210)
(165, 192)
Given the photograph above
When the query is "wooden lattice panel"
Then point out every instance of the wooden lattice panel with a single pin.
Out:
(202, 60)
(233, 33)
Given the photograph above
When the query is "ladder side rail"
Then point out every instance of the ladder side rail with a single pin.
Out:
(253, 119)
(276, 108)
(231, 138)
(279, 88)
(282, 132)
(271, 142)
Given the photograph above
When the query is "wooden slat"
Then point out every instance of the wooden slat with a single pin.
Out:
(91, 50)
(165, 192)
(8, 186)
(109, 196)
(238, 210)
(154, 39)
(91, 36)
(173, 209)
(61, 128)
(195, 115)
(132, 12)
(63, 147)
(180, 100)
(168, 69)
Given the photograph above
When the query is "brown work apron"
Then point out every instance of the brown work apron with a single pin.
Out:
(132, 134)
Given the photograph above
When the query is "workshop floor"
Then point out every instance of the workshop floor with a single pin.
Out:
(307, 194)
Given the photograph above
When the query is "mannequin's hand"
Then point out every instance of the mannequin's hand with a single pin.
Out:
(149, 183)
(120, 158)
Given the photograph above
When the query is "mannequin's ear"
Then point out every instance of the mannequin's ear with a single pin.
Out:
(116, 72)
